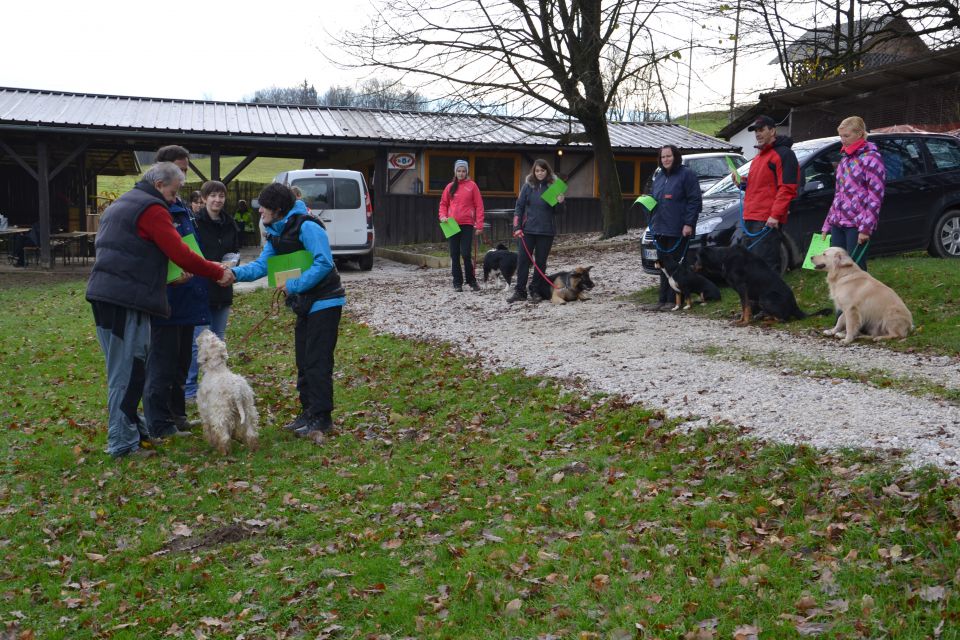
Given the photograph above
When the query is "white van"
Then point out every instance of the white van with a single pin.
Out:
(341, 200)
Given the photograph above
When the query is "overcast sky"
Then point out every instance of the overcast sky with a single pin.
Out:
(213, 49)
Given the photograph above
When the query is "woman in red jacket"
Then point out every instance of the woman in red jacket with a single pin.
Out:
(461, 201)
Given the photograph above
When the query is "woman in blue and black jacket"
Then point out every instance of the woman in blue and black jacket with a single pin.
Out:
(316, 296)
(677, 192)
(533, 226)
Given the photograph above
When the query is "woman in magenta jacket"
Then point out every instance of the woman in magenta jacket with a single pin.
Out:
(461, 201)
(853, 217)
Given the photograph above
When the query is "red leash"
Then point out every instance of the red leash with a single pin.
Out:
(534, 263)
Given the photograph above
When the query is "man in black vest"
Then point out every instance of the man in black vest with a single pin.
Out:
(127, 288)
(316, 296)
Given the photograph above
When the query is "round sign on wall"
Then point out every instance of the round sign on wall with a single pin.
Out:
(401, 160)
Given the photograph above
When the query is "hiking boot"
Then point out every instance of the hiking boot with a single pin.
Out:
(298, 422)
(320, 423)
(458, 288)
(176, 433)
(474, 286)
(516, 296)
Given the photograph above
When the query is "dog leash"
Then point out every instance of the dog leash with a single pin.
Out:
(274, 309)
(859, 251)
(534, 263)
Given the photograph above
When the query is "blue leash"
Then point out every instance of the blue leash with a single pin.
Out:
(759, 235)
(860, 251)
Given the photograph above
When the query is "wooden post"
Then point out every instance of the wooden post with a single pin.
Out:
(215, 165)
(380, 179)
(43, 191)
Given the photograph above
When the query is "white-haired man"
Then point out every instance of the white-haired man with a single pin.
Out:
(128, 285)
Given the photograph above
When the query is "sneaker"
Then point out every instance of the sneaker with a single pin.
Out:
(516, 296)
(458, 288)
(298, 422)
(474, 286)
(321, 423)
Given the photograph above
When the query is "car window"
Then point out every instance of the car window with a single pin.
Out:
(347, 192)
(710, 167)
(901, 157)
(823, 168)
(945, 153)
(317, 192)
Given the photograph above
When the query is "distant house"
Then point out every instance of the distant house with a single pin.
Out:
(825, 52)
(922, 91)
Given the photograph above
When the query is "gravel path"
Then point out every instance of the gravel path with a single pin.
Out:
(703, 370)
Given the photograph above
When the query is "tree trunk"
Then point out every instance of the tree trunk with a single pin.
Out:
(608, 180)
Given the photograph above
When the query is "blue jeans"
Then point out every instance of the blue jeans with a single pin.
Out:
(218, 324)
(125, 351)
(846, 238)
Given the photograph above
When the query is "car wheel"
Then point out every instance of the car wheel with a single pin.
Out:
(945, 242)
(366, 262)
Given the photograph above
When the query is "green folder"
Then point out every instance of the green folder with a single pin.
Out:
(173, 271)
(288, 265)
(648, 201)
(557, 188)
(449, 228)
(733, 169)
(817, 246)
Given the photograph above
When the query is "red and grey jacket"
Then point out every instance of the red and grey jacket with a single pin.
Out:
(772, 182)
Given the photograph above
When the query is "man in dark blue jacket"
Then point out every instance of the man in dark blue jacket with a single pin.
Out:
(171, 338)
(677, 192)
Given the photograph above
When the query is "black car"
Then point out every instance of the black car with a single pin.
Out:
(921, 203)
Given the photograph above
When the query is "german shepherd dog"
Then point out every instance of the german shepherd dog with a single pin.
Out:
(564, 286)
(685, 282)
(500, 260)
(759, 287)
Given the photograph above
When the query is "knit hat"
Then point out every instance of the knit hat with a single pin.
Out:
(461, 163)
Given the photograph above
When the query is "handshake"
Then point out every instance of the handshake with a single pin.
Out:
(228, 277)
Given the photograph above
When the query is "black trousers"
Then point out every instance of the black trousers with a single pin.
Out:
(461, 245)
(677, 249)
(171, 350)
(766, 246)
(539, 246)
(315, 338)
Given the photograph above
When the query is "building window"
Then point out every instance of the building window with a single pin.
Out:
(494, 173)
(635, 175)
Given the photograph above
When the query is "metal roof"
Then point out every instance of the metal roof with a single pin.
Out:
(21, 108)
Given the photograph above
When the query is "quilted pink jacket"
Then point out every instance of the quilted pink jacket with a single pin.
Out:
(859, 191)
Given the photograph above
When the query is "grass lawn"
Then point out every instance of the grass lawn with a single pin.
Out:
(260, 170)
(708, 122)
(453, 503)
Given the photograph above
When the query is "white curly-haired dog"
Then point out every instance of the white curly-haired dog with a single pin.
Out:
(224, 399)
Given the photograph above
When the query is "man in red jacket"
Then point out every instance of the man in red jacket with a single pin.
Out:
(770, 186)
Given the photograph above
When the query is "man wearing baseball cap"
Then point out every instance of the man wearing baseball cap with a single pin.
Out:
(770, 186)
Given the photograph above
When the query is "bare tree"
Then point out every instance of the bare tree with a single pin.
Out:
(511, 57)
(376, 93)
(304, 94)
(819, 39)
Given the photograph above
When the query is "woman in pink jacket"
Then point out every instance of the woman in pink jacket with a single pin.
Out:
(853, 217)
(461, 201)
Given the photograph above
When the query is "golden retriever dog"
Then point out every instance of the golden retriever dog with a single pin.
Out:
(866, 305)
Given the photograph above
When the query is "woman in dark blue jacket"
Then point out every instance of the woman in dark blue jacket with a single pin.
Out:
(533, 226)
(677, 191)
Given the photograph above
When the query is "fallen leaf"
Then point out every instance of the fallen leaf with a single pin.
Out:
(513, 607)
(812, 628)
(932, 594)
(746, 632)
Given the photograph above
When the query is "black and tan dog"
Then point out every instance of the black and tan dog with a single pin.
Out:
(759, 287)
(500, 260)
(564, 286)
(685, 282)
